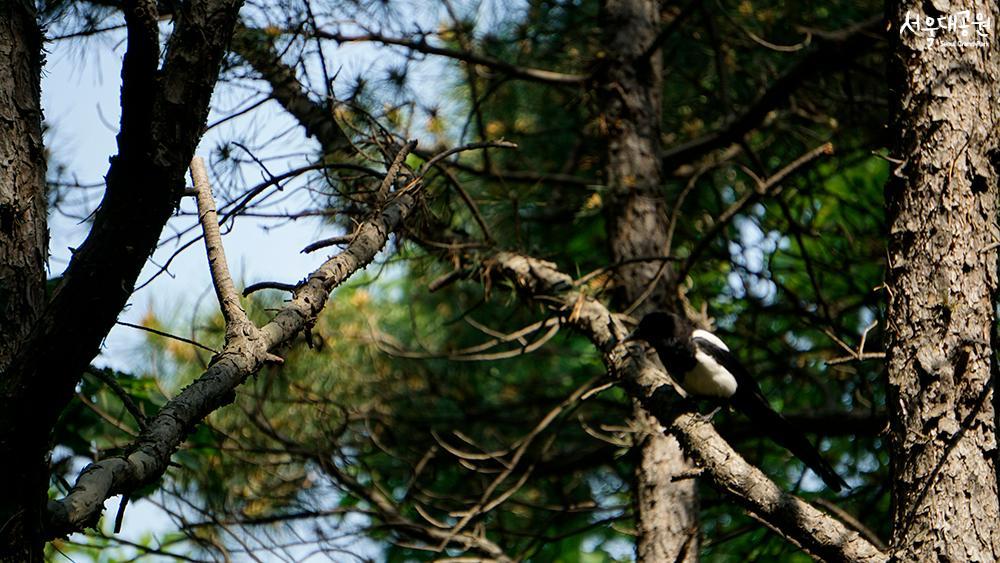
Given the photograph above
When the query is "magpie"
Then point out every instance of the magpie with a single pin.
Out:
(703, 366)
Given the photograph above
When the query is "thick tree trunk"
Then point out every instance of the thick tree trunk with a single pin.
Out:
(23, 247)
(637, 227)
(668, 510)
(942, 278)
(23, 234)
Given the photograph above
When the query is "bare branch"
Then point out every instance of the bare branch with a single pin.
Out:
(422, 46)
(168, 335)
(252, 288)
(222, 280)
(502, 144)
(324, 243)
(469, 202)
(393, 171)
(819, 534)
(108, 377)
(242, 356)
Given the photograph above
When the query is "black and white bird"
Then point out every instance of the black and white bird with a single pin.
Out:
(703, 366)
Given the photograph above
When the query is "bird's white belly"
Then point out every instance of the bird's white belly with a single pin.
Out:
(709, 378)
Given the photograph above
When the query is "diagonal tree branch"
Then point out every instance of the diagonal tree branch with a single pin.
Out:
(816, 533)
(243, 355)
(421, 45)
(232, 310)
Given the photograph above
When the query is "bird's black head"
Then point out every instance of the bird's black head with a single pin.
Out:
(670, 335)
(661, 325)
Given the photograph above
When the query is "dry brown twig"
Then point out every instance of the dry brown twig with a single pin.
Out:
(858, 355)
(485, 503)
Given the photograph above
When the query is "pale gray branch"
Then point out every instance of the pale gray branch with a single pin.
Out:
(815, 532)
(222, 280)
(242, 356)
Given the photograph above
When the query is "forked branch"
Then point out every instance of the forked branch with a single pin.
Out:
(148, 457)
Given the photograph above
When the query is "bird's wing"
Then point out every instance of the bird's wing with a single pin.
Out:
(745, 383)
(749, 400)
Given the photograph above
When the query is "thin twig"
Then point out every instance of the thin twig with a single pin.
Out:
(771, 186)
(605, 269)
(469, 202)
(254, 287)
(856, 358)
(484, 501)
(121, 512)
(168, 335)
(446, 279)
(342, 239)
(864, 336)
(421, 45)
(133, 409)
(386, 344)
(500, 144)
(676, 211)
(852, 522)
(763, 42)
(105, 415)
(390, 175)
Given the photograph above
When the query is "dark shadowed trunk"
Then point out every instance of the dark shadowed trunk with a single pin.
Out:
(23, 247)
(23, 235)
(637, 227)
(164, 109)
(942, 204)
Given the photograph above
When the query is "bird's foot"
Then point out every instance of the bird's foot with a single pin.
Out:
(707, 417)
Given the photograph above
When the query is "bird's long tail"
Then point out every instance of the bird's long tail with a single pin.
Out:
(756, 408)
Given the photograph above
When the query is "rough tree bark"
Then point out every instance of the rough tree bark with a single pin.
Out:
(942, 279)
(23, 244)
(23, 234)
(637, 227)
